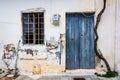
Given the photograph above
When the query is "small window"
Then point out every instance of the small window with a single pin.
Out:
(33, 28)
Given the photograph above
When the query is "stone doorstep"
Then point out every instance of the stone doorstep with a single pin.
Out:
(62, 76)
(67, 73)
(81, 71)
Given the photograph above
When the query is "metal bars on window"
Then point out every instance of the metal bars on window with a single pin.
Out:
(33, 28)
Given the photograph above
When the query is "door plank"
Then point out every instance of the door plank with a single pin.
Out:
(76, 41)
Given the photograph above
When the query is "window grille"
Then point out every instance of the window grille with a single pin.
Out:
(33, 28)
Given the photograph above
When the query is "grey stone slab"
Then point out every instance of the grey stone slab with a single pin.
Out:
(88, 78)
(118, 77)
(49, 78)
(59, 78)
(66, 78)
(95, 79)
(91, 76)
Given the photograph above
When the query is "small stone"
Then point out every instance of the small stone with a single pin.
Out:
(10, 75)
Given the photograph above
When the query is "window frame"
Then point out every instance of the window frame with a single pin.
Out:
(22, 20)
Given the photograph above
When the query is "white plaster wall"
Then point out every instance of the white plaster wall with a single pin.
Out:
(107, 31)
(11, 27)
(117, 56)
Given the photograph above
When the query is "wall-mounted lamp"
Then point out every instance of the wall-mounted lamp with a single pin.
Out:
(56, 19)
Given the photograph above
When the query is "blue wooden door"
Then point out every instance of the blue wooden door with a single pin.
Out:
(80, 41)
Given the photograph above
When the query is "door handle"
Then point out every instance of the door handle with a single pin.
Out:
(81, 35)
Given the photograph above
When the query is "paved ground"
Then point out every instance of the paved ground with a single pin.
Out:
(62, 76)
(88, 77)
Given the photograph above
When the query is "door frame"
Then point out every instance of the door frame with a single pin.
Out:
(92, 12)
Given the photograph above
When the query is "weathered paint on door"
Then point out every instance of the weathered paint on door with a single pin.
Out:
(80, 41)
